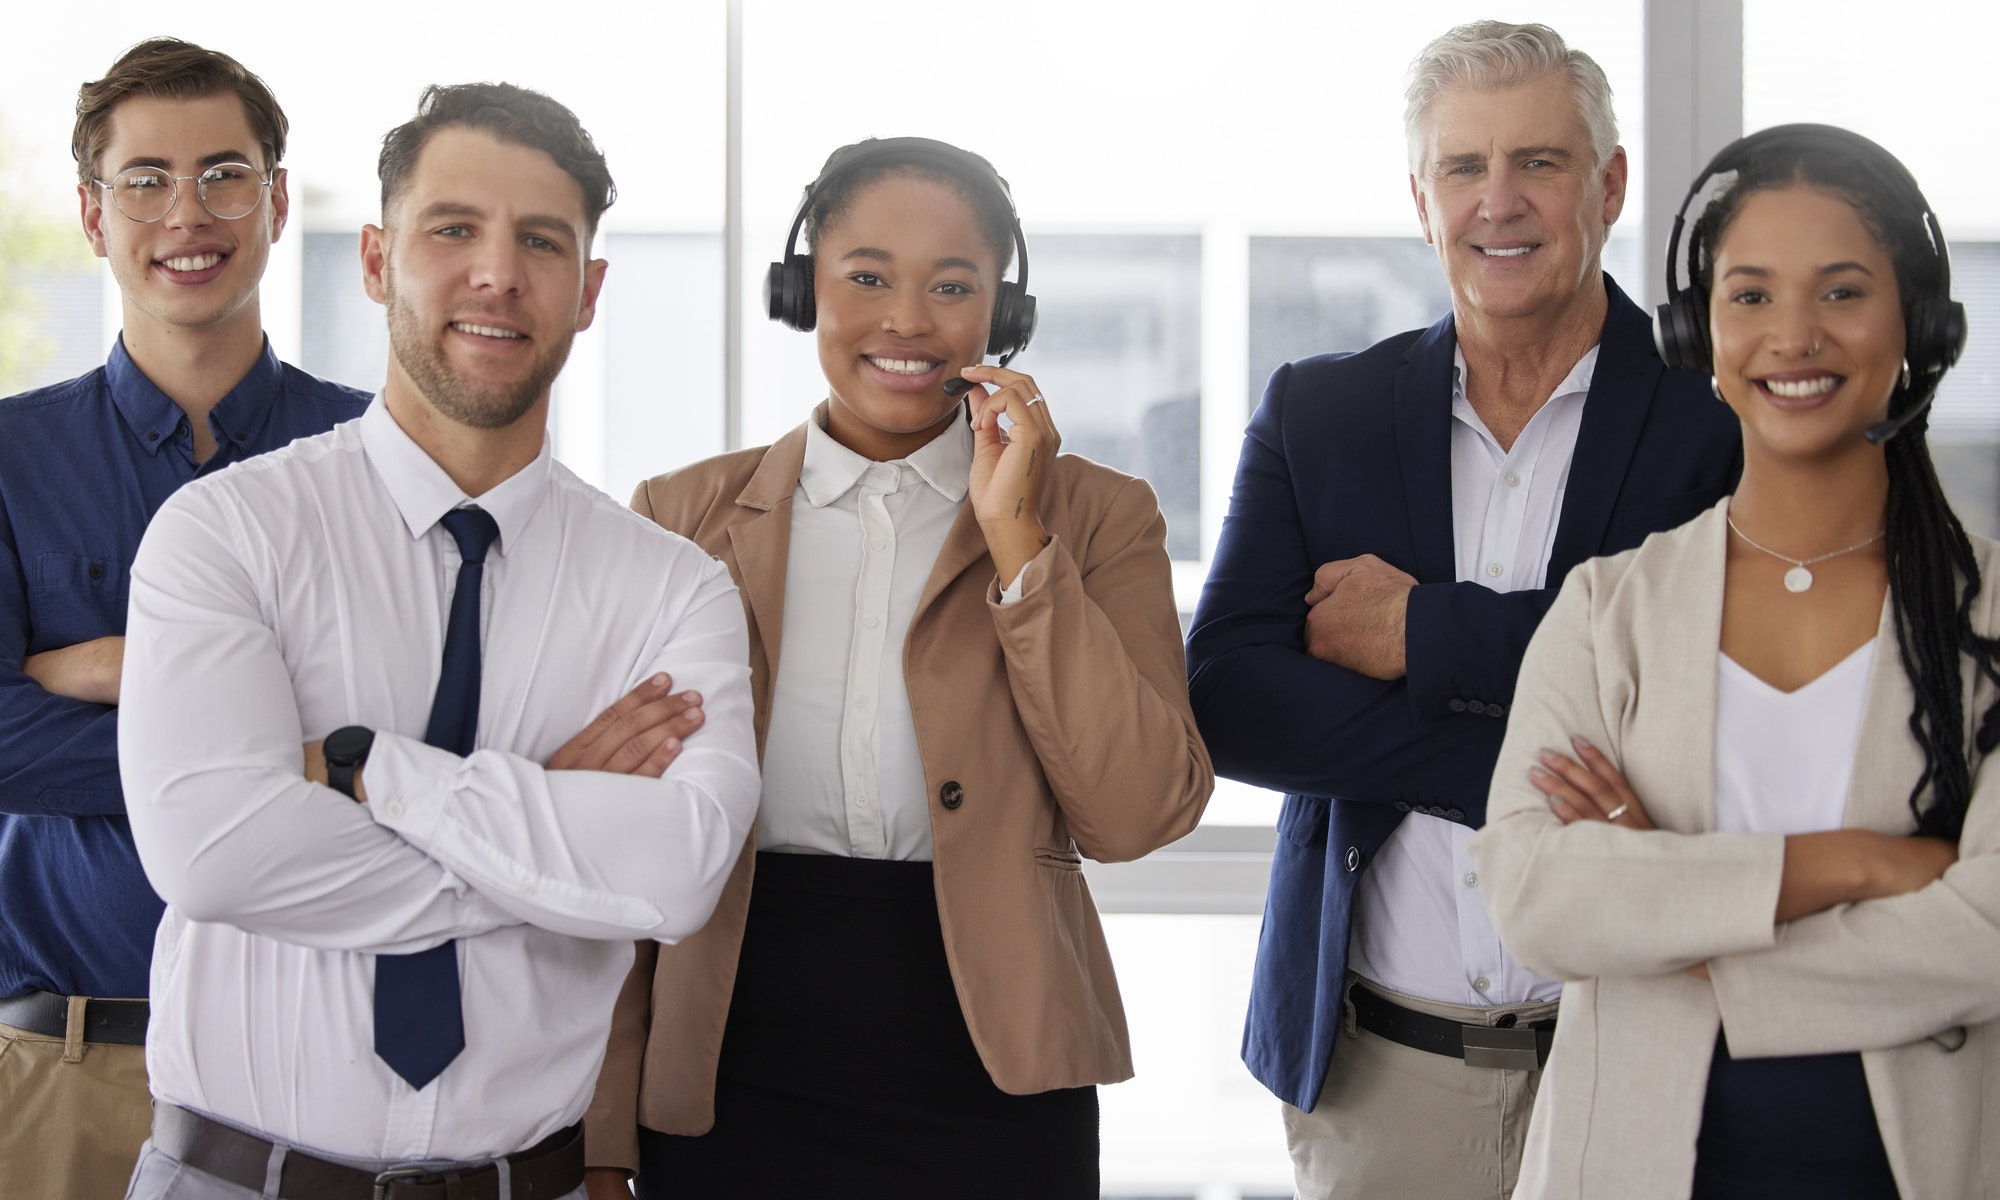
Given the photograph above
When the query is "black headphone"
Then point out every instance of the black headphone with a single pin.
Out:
(788, 286)
(1934, 325)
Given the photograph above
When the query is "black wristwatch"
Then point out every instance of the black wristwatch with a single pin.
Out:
(346, 749)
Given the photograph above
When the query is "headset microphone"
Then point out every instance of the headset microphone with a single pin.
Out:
(1882, 431)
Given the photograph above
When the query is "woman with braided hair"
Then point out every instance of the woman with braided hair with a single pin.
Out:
(1769, 872)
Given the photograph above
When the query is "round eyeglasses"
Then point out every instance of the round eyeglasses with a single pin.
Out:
(227, 190)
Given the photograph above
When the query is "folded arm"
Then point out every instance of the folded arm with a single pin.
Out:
(1276, 716)
(1591, 898)
(58, 750)
(593, 853)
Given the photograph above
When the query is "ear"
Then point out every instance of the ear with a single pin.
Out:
(1423, 210)
(375, 263)
(90, 202)
(281, 201)
(593, 283)
(1615, 178)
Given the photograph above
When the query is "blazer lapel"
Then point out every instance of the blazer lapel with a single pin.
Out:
(762, 543)
(1423, 449)
(1886, 757)
(1673, 696)
(1621, 392)
(964, 547)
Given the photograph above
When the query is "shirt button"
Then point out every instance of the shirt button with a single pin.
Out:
(861, 702)
(871, 623)
(1480, 984)
(395, 808)
(1494, 569)
(862, 800)
(1472, 879)
(1513, 480)
(880, 544)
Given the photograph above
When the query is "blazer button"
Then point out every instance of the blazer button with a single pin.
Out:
(951, 795)
(1455, 704)
(1496, 710)
(1354, 858)
(1454, 814)
(1437, 810)
(1402, 806)
(1474, 706)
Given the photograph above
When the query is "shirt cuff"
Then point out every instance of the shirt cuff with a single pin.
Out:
(409, 785)
(1012, 592)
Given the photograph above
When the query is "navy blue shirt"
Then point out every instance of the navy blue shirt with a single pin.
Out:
(84, 465)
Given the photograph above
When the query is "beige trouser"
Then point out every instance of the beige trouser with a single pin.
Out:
(1394, 1123)
(72, 1115)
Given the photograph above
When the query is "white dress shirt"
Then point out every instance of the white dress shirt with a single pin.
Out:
(1783, 760)
(1420, 926)
(309, 590)
(842, 770)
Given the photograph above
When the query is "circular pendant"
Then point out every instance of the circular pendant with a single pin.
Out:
(1798, 579)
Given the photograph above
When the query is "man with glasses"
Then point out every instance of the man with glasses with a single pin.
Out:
(177, 151)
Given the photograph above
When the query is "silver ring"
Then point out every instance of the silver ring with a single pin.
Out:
(1616, 813)
(1035, 399)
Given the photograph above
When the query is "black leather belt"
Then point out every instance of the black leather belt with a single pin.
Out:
(549, 1169)
(1507, 1045)
(116, 1022)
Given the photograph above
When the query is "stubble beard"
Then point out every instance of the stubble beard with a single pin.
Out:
(477, 406)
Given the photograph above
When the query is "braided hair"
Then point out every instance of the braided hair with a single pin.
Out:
(1933, 576)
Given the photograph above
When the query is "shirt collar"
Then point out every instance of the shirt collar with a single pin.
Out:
(1578, 379)
(423, 493)
(154, 418)
(831, 469)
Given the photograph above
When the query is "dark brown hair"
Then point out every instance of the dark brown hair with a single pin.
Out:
(973, 178)
(171, 69)
(512, 114)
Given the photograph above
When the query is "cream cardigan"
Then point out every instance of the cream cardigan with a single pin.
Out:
(1627, 659)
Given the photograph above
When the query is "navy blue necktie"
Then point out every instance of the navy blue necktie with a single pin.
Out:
(419, 1024)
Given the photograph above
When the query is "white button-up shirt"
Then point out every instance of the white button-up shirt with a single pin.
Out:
(842, 770)
(273, 604)
(1420, 925)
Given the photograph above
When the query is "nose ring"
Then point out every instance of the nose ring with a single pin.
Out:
(1814, 350)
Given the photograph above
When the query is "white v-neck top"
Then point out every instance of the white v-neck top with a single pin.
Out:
(1783, 760)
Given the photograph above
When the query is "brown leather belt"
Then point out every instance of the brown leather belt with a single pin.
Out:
(1507, 1045)
(113, 1022)
(551, 1168)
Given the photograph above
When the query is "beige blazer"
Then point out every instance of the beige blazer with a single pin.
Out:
(1627, 659)
(1061, 725)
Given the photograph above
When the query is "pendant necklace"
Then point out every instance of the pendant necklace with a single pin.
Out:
(1798, 579)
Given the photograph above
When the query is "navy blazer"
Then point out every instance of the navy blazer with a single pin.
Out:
(1350, 454)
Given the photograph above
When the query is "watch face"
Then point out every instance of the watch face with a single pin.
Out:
(348, 745)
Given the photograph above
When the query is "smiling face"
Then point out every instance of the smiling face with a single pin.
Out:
(483, 267)
(190, 272)
(1798, 269)
(1510, 193)
(903, 283)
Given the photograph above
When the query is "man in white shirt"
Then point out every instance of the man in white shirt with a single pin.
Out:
(1402, 518)
(406, 993)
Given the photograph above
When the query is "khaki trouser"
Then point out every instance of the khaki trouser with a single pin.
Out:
(1395, 1123)
(72, 1115)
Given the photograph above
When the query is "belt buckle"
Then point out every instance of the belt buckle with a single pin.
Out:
(395, 1175)
(1505, 1049)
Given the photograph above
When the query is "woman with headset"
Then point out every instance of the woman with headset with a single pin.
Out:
(969, 676)
(1747, 806)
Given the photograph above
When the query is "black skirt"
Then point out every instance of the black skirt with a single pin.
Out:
(1798, 1128)
(846, 1066)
